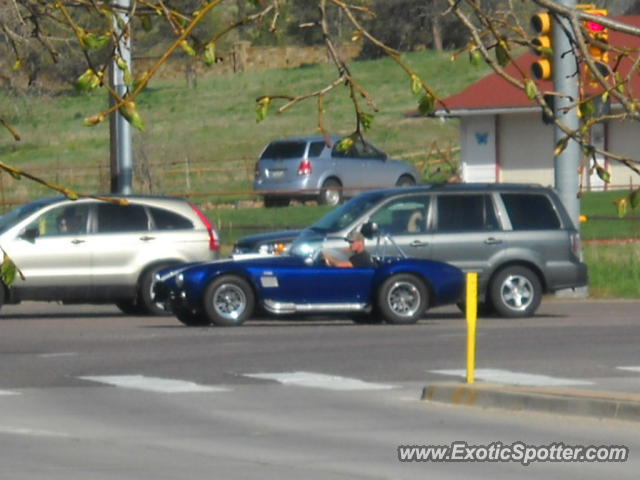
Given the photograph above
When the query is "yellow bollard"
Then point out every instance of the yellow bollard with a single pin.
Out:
(472, 320)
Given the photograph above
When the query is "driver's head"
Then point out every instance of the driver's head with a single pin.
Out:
(356, 241)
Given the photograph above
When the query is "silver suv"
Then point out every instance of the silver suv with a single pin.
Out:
(92, 251)
(317, 168)
(518, 238)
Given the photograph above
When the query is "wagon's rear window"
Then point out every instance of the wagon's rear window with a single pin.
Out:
(284, 150)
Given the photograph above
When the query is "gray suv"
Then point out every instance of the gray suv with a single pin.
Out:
(518, 238)
(317, 168)
(92, 251)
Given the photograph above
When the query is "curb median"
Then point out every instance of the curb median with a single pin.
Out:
(563, 401)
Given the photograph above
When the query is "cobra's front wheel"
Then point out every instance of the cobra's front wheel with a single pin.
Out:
(229, 301)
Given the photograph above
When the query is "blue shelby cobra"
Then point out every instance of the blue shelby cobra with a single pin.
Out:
(227, 292)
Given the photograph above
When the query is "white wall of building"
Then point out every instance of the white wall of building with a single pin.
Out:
(623, 138)
(525, 149)
(478, 148)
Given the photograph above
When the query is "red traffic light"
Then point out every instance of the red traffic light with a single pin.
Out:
(595, 27)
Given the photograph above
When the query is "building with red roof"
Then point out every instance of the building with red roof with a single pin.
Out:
(503, 137)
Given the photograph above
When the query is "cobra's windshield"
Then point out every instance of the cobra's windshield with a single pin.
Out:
(343, 216)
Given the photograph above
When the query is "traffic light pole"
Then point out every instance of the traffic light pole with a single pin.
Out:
(119, 127)
(565, 79)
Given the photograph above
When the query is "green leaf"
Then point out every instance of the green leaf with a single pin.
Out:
(416, 84)
(531, 89)
(130, 112)
(366, 119)
(96, 42)
(561, 146)
(15, 175)
(70, 194)
(88, 81)
(209, 55)
(475, 57)
(502, 53)
(17, 65)
(262, 108)
(8, 271)
(604, 175)
(345, 144)
(187, 48)
(622, 205)
(427, 104)
(587, 109)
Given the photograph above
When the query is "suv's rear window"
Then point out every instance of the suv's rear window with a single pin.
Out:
(461, 213)
(166, 220)
(117, 218)
(284, 150)
(530, 211)
(315, 149)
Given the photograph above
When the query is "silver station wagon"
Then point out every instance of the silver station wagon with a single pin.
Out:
(316, 168)
(92, 251)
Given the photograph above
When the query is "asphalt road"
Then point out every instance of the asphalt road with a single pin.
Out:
(88, 393)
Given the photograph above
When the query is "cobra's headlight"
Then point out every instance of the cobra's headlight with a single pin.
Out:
(179, 280)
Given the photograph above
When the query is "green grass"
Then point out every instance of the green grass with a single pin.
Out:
(614, 270)
(213, 126)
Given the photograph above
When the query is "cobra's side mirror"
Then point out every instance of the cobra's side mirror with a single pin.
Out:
(369, 230)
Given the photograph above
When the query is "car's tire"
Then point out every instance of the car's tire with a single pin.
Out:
(331, 193)
(273, 202)
(228, 301)
(192, 318)
(145, 292)
(515, 292)
(130, 307)
(405, 181)
(402, 299)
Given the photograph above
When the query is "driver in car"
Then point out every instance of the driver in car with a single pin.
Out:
(359, 258)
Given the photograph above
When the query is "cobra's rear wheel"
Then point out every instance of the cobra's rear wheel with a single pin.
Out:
(402, 299)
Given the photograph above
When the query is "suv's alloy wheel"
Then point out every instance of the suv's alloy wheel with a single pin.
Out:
(516, 292)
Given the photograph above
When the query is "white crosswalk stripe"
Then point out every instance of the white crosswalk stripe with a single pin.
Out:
(515, 378)
(154, 384)
(630, 368)
(319, 380)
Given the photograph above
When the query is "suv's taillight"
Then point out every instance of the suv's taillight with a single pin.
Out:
(576, 247)
(304, 168)
(214, 240)
(256, 171)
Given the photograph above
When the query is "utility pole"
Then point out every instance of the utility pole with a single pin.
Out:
(119, 127)
(565, 79)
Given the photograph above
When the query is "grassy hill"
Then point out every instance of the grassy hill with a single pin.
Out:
(213, 128)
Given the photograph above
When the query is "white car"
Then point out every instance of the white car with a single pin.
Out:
(93, 251)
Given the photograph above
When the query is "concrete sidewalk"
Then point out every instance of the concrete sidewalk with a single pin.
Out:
(556, 400)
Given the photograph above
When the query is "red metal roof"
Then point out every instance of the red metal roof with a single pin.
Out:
(494, 92)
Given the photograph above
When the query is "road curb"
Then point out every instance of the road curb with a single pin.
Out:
(562, 401)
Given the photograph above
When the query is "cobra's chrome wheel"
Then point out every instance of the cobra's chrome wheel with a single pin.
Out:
(229, 301)
(402, 299)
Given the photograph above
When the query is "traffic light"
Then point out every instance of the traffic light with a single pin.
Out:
(598, 33)
(542, 45)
